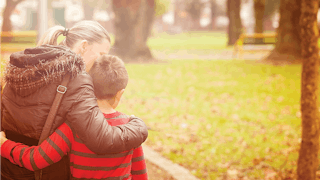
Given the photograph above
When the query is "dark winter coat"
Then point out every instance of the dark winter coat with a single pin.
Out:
(32, 78)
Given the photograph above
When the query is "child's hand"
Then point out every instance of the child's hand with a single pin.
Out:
(3, 137)
(2, 134)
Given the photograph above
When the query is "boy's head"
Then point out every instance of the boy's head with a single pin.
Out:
(110, 78)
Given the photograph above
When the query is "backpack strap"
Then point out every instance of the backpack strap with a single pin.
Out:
(61, 90)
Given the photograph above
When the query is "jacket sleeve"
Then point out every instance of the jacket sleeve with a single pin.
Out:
(92, 128)
(38, 157)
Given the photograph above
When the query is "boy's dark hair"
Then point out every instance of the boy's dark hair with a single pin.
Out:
(109, 76)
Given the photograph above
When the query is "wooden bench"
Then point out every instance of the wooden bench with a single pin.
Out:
(13, 41)
(254, 39)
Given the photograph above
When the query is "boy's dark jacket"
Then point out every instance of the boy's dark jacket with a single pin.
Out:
(32, 77)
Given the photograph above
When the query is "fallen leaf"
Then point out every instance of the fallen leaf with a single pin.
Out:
(213, 150)
(235, 117)
(183, 125)
(256, 161)
(280, 98)
(268, 99)
(232, 172)
(298, 114)
(269, 174)
(271, 116)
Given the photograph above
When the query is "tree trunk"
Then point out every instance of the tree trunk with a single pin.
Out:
(181, 17)
(149, 19)
(213, 14)
(308, 154)
(194, 9)
(133, 24)
(10, 6)
(288, 46)
(235, 26)
(259, 7)
(196, 24)
(176, 12)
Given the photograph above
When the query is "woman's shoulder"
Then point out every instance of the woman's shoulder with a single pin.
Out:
(80, 80)
(78, 84)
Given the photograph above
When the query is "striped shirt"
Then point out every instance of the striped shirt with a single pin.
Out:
(84, 164)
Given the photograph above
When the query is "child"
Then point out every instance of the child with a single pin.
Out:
(110, 78)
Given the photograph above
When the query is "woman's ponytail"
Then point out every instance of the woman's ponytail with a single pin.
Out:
(51, 36)
(91, 31)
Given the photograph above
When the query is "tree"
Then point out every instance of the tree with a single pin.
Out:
(271, 6)
(133, 23)
(308, 154)
(288, 45)
(235, 25)
(214, 9)
(259, 7)
(10, 7)
(194, 9)
(178, 8)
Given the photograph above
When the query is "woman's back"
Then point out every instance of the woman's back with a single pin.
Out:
(31, 88)
(28, 97)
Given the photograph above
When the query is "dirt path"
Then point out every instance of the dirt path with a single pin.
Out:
(155, 173)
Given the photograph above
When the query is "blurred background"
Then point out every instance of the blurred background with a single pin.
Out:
(223, 19)
(172, 16)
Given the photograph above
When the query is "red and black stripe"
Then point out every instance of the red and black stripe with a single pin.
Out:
(84, 164)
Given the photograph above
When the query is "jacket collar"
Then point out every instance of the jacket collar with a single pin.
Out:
(33, 68)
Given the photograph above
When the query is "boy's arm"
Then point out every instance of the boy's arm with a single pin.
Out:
(92, 128)
(38, 157)
(139, 168)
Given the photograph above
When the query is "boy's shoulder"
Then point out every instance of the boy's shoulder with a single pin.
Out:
(115, 115)
(117, 118)
(123, 115)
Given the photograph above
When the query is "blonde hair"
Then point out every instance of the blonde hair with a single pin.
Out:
(91, 31)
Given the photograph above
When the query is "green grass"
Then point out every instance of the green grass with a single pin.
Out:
(213, 116)
(190, 40)
(186, 41)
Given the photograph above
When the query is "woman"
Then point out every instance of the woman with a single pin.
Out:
(32, 78)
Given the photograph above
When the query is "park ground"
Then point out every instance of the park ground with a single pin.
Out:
(218, 116)
(222, 118)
